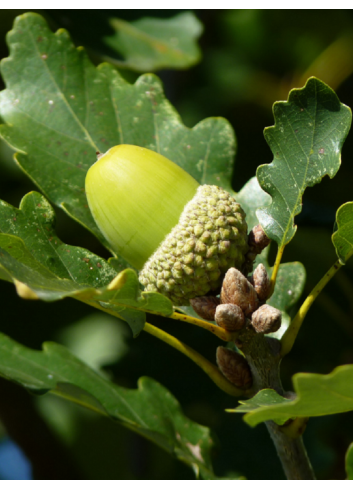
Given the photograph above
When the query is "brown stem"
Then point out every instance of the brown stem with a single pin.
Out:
(263, 356)
(292, 453)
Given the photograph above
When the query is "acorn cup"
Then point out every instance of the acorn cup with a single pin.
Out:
(183, 236)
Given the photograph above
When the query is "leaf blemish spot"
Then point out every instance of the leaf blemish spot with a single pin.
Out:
(72, 96)
(44, 56)
(321, 151)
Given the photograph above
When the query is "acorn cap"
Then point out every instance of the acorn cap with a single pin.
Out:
(211, 237)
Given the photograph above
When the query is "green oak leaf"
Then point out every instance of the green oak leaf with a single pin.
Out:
(60, 109)
(317, 395)
(306, 142)
(150, 44)
(264, 398)
(349, 462)
(42, 266)
(291, 276)
(251, 197)
(149, 410)
(289, 287)
(343, 238)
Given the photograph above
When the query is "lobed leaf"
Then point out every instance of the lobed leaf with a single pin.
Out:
(349, 462)
(306, 142)
(150, 44)
(149, 410)
(317, 395)
(60, 110)
(343, 238)
(44, 267)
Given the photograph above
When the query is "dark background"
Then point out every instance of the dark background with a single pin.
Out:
(251, 58)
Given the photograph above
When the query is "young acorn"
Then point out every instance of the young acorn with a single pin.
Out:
(140, 199)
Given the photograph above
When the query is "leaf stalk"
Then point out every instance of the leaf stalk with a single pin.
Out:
(275, 269)
(209, 368)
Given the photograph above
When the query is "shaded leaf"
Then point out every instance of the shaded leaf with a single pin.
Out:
(349, 462)
(149, 44)
(289, 287)
(252, 197)
(59, 110)
(343, 237)
(317, 395)
(291, 276)
(34, 257)
(306, 142)
(149, 410)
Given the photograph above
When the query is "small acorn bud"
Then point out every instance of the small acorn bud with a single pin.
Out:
(234, 367)
(266, 319)
(261, 282)
(230, 317)
(258, 240)
(236, 289)
(205, 306)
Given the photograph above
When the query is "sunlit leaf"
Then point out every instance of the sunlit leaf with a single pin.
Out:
(317, 395)
(343, 238)
(60, 110)
(306, 142)
(44, 267)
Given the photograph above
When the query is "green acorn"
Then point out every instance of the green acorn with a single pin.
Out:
(138, 196)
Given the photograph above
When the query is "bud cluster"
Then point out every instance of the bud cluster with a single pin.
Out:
(242, 305)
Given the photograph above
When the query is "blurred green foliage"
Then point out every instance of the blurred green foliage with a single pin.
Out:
(251, 58)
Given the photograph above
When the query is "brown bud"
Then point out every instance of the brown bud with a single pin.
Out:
(266, 319)
(234, 367)
(229, 317)
(236, 289)
(205, 306)
(257, 239)
(261, 282)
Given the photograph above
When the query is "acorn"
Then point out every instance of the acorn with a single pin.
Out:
(140, 200)
(136, 197)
